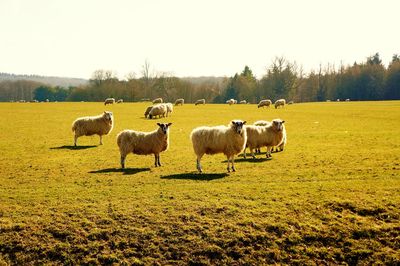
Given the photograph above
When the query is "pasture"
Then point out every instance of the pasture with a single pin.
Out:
(331, 197)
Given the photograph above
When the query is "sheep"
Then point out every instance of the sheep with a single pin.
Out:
(93, 125)
(290, 102)
(347, 100)
(109, 101)
(144, 143)
(243, 102)
(230, 101)
(146, 113)
(263, 103)
(259, 136)
(200, 101)
(281, 145)
(179, 101)
(120, 101)
(158, 100)
(170, 108)
(158, 110)
(229, 140)
(280, 102)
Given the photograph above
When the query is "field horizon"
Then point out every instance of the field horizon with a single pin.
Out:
(331, 197)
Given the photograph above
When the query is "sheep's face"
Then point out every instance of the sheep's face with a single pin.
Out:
(238, 125)
(278, 124)
(108, 116)
(164, 127)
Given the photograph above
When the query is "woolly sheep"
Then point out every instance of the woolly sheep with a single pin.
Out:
(347, 100)
(230, 101)
(109, 101)
(93, 125)
(281, 145)
(280, 102)
(144, 143)
(243, 102)
(179, 101)
(158, 100)
(263, 103)
(158, 110)
(120, 101)
(146, 113)
(259, 136)
(290, 102)
(170, 108)
(229, 140)
(200, 101)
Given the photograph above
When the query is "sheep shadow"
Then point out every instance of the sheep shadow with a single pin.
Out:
(125, 171)
(196, 176)
(71, 147)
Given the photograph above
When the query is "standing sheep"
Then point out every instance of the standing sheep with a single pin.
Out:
(280, 102)
(263, 103)
(144, 143)
(120, 101)
(93, 125)
(259, 136)
(170, 108)
(243, 102)
(229, 140)
(158, 100)
(146, 113)
(280, 146)
(200, 101)
(109, 101)
(179, 101)
(158, 110)
(230, 101)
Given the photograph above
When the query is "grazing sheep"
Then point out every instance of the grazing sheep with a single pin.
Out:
(243, 102)
(263, 103)
(109, 101)
(170, 108)
(201, 101)
(280, 102)
(158, 110)
(291, 102)
(179, 101)
(229, 140)
(144, 143)
(259, 136)
(338, 100)
(146, 113)
(158, 100)
(120, 101)
(230, 101)
(93, 125)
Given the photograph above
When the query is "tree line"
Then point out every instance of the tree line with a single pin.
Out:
(369, 80)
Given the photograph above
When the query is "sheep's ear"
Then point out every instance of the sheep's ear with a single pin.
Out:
(158, 124)
(283, 121)
(105, 112)
(244, 122)
(169, 124)
(233, 122)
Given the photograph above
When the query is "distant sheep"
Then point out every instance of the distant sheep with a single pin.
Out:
(230, 101)
(170, 108)
(158, 100)
(243, 102)
(259, 136)
(347, 100)
(158, 110)
(144, 143)
(120, 101)
(109, 101)
(290, 102)
(263, 103)
(201, 101)
(146, 113)
(280, 102)
(179, 101)
(93, 125)
(229, 140)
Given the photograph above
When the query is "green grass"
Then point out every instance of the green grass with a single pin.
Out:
(331, 197)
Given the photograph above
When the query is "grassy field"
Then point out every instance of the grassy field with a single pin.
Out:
(332, 197)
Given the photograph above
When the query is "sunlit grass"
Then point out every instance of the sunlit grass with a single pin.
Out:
(332, 196)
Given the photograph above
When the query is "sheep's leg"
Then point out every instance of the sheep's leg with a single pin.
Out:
(233, 163)
(158, 160)
(123, 157)
(252, 153)
(155, 160)
(101, 139)
(229, 160)
(244, 152)
(75, 139)
(269, 151)
(198, 164)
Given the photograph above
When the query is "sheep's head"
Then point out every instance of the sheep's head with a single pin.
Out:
(108, 116)
(164, 127)
(238, 125)
(278, 124)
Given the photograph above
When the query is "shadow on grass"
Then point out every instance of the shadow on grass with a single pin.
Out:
(126, 171)
(70, 147)
(196, 176)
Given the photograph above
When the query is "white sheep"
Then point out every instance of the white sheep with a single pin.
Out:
(280, 102)
(280, 146)
(158, 110)
(93, 125)
(259, 136)
(229, 140)
(144, 143)
(170, 108)
(347, 100)
(290, 102)
(243, 102)
(158, 100)
(146, 113)
(179, 101)
(109, 101)
(200, 101)
(263, 103)
(230, 101)
(120, 101)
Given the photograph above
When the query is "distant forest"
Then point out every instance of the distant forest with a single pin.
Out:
(369, 80)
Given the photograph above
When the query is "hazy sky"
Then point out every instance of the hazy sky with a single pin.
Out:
(73, 38)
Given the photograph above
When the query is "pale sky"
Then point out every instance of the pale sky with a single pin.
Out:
(73, 38)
